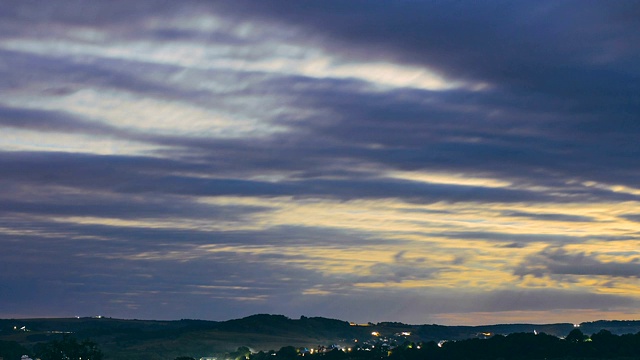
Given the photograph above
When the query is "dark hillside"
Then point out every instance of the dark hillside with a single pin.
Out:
(617, 327)
(159, 340)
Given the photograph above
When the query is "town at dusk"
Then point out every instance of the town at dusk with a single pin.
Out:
(423, 162)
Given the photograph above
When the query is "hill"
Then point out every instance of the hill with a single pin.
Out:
(160, 340)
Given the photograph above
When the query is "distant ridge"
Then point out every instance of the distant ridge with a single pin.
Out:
(281, 324)
(273, 323)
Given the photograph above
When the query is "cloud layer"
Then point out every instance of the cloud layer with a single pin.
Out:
(407, 161)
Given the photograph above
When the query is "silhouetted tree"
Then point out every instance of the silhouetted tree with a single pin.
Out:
(335, 354)
(605, 343)
(68, 349)
(260, 355)
(287, 353)
(241, 353)
(576, 336)
(11, 350)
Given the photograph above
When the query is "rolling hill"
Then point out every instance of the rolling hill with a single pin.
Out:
(160, 340)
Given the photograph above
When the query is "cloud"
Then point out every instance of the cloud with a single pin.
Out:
(130, 174)
(52, 121)
(632, 217)
(402, 268)
(513, 239)
(521, 54)
(411, 306)
(385, 129)
(349, 158)
(549, 217)
(557, 261)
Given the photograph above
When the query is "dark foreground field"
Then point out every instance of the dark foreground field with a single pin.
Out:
(159, 340)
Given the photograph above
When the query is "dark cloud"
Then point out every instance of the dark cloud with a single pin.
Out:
(549, 217)
(58, 75)
(631, 217)
(403, 268)
(137, 174)
(114, 241)
(403, 129)
(513, 239)
(422, 130)
(129, 174)
(545, 299)
(513, 245)
(125, 207)
(556, 261)
(395, 303)
(537, 75)
(119, 271)
(94, 13)
(530, 45)
(52, 121)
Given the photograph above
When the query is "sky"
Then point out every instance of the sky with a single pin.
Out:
(449, 162)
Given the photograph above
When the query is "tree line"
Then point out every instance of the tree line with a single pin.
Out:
(516, 346)
(67, 348)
